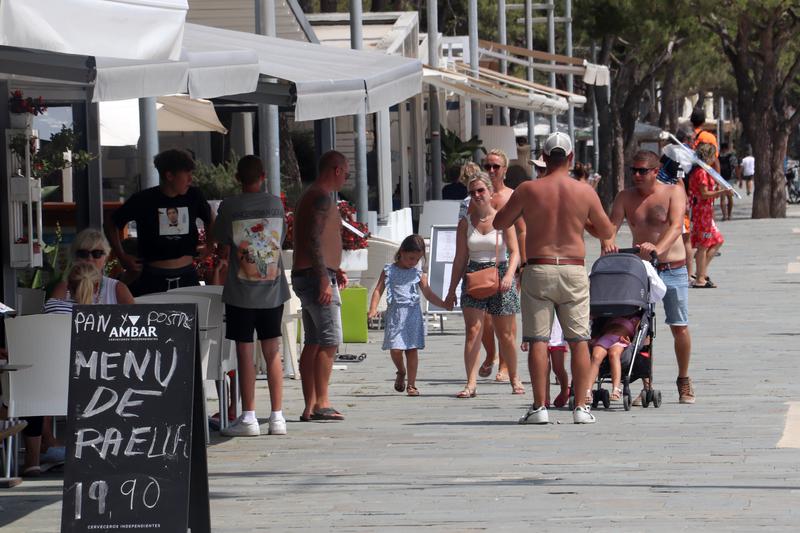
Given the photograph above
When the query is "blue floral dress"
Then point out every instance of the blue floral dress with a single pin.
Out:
(404, 324)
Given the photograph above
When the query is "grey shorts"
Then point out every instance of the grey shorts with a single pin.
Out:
(676, 299)
(322, 324)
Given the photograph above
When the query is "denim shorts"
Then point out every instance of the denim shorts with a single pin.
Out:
(676, 300)
(322, 324)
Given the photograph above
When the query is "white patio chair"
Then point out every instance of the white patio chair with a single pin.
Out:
(207, 334)
(222, 356)
(42, 341)
(29, 301)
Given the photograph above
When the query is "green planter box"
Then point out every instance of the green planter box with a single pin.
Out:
(354, 314)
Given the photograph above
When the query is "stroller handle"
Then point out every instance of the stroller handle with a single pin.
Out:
(635, 251)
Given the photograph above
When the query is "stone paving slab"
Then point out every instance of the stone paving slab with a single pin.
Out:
(441, 464)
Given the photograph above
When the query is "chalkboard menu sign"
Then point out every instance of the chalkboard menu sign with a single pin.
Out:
(136, 457)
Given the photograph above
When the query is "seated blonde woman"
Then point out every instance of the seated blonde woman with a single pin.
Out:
(91, 247)
(82, 285)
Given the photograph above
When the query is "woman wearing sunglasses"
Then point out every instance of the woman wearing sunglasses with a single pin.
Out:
(480, 246)
(90, 246)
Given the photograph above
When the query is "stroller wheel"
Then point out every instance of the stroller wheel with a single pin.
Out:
(572, 403)
(626, 402)
(648, 397)
(656, 398)
(596, 397)
(606, 399)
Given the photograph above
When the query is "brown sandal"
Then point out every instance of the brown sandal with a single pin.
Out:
(411, 390)
(486, 370)
(400, 382)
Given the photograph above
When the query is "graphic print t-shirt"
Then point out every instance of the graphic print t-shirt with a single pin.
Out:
(253, 225)
(166, 226)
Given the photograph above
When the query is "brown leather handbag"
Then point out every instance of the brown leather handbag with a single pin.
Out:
(485, 283)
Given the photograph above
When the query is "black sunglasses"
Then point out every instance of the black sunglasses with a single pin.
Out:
(476, 192)
(640, 170)
(84, 254)
(489, 166)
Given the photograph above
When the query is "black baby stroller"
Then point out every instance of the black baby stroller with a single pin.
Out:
(619, 287)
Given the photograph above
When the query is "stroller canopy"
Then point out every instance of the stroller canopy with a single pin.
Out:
(619, 285)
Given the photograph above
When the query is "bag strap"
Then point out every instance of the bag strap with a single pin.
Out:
(496, 244)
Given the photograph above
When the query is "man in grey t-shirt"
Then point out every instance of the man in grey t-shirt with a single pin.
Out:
(252, 227)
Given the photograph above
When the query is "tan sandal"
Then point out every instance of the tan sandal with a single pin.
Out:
(616, 394)
(466, 392)
(517, 387)
(411, 390)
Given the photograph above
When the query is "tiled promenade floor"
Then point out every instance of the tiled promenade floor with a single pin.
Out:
(442, 464)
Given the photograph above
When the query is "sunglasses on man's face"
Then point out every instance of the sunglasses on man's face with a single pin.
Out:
(476, 192)
(640, 170)
(85, 254)
(489, 166)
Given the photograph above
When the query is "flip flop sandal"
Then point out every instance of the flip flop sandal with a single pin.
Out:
(400, 382)
(485, 370)
(501, 378)
(518, 388)
(32, 471)
(466, 392)
(412, 391)
(327, 413)
(305, 418)
(616, 394)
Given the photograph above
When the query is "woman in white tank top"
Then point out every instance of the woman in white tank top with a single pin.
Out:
(479, 246)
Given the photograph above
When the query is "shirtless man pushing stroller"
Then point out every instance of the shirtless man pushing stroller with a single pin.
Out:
(654, 212)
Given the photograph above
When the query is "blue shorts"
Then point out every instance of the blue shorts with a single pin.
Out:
(676, 300)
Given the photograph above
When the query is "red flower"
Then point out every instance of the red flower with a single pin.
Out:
(258, 228)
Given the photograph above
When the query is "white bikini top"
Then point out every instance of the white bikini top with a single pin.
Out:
(481, 247)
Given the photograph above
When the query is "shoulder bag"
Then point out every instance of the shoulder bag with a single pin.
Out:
(485, 283)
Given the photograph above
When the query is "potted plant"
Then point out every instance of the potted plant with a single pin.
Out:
(50, 157)
(22, 110)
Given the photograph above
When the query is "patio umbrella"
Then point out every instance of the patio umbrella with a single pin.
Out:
(119, 121)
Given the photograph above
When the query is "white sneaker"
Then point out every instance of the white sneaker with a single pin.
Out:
(277, 426)
(535, 416)
(582, 415)
(240, 428)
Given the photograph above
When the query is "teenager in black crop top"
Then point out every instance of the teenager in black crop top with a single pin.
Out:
(166, 225)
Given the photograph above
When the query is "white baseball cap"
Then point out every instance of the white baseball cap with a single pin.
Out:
(557, 140)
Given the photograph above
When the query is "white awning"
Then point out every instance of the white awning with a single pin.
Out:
(131, 29)
(493, 93)
(328, 82)
(318, 81)
(207, 74)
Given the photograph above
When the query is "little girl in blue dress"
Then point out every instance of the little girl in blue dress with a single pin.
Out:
(404, 325)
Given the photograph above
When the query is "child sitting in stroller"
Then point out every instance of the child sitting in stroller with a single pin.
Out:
(614, 337)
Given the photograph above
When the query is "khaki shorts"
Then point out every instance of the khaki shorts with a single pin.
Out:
(549, 290)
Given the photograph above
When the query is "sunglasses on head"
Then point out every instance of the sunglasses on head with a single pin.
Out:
(640, 170)
(490, 166)
(84, 254)
(476, 192)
